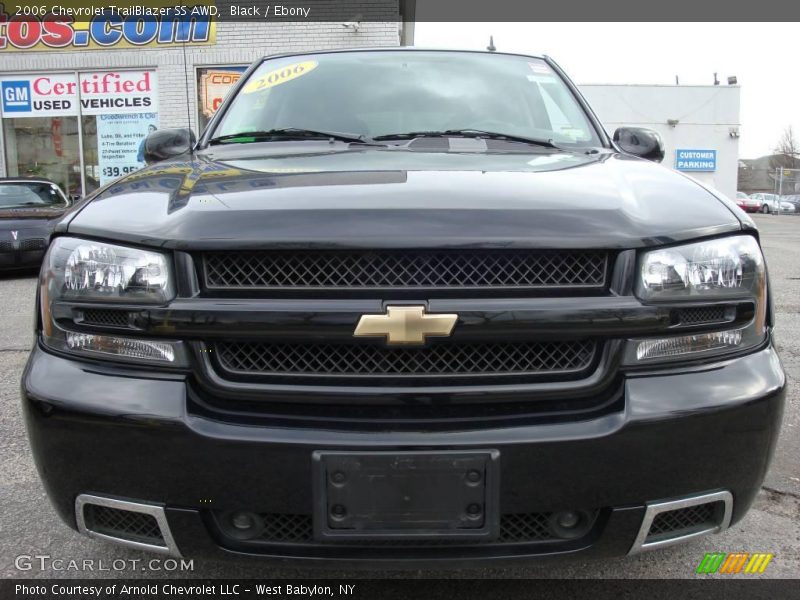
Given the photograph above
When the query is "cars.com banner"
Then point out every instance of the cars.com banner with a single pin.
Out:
(121, 26)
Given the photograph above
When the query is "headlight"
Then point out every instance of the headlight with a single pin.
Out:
(722, 270)
(79, 271)
(95, 271)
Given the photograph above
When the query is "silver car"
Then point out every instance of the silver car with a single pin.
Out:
(770, 203)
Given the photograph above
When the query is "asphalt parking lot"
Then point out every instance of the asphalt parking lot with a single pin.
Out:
(29, 526)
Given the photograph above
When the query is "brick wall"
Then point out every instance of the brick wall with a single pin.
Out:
(237, 43)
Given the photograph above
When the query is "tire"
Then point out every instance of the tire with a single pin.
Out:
(765, 209)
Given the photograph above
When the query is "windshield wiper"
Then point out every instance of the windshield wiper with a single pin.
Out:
(474, 133)
(289, 133)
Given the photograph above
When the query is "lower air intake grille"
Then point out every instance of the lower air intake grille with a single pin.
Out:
(256, 358)
(683, 521)
(525, 527)
(514, 529)
(703, 314)
(106, 317)
(32, 244)
(123, 524)
(404, 269)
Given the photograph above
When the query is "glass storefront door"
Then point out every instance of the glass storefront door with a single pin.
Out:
(44, 147)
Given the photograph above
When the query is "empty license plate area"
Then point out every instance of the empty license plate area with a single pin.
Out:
(401, 495)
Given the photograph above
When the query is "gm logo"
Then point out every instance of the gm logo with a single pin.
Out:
(16, 96)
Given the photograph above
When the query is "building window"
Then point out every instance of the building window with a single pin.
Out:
(44, 147)
(213, 84)
(45, 114)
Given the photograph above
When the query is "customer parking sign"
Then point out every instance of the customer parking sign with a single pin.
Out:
(696, 160)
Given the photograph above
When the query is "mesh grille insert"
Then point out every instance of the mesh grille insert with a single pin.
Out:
(404, 268)
(682, 521)
(257, 358)
(514, 529)
(124, 524)
(106, 317)
(32, 244)
(6, 246)
(702, 314)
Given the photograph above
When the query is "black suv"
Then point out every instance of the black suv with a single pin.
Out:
(403, 307)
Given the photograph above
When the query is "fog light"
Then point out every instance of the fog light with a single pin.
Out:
(241, 524)
(569, 524)
(688, 344)
(242, 520)
(121, 347)
(568, 519)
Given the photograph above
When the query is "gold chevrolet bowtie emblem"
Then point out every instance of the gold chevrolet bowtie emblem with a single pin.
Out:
(405, 325)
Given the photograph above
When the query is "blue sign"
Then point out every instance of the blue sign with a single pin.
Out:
(16, 96)
(696, 160)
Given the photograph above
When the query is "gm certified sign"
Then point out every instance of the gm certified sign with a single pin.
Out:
(696, 160)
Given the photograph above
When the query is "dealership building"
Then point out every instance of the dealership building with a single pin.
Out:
(78, 99)
(699, 125)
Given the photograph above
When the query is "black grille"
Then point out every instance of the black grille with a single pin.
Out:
(6, 246)
(257, 358)
(106, 317)
(125, 524)
(525, 527)
(702, 314)
(404, 269)
(684, 520)
(288, 528)
(32, 244)
(514, 529)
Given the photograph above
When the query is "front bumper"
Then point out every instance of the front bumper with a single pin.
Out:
(132, 435)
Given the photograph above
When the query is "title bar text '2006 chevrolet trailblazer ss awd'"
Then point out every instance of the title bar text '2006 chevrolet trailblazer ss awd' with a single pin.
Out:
(403, 308)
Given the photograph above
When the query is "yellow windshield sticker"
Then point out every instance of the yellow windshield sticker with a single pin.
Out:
(279, 76)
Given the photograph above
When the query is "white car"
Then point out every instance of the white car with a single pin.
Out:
(770, 203)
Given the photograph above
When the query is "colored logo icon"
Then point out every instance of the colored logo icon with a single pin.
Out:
(735, 562)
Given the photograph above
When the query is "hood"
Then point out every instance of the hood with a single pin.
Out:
(285, 195)
(26, 214)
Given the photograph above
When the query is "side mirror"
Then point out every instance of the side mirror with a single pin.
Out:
(644, 143)
(167, 143)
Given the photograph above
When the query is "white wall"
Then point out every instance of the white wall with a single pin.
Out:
(705, 114)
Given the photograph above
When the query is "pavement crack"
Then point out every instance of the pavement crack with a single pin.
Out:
(780, 492)
(15, 349)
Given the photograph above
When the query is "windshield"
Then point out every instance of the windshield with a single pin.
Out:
(393, 92)
(31, 195)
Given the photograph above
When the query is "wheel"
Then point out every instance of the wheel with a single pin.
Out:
(765, 209)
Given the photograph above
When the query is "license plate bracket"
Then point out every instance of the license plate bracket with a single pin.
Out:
(406, 495)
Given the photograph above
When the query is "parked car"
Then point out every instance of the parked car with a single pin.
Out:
(404, 308)
(794, 200)
(746, 203)
(769, 203)
(29, 210)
